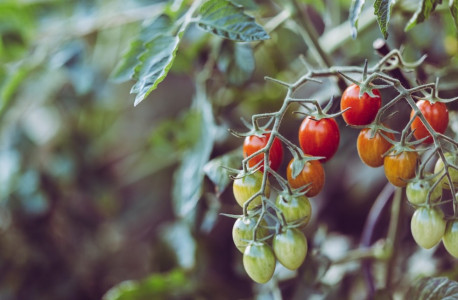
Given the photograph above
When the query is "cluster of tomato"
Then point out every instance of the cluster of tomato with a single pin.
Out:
(319, 137)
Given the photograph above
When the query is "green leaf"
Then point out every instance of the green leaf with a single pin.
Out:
(423, 12)
(236, 61)
(223, 18)
(219, 175)
(189, 177)
(382, 9)
(432, 288)
(454, 10)
(355, 11)
(179, 238)
(248, 4)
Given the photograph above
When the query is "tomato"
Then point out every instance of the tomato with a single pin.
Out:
(437, 116)
(312, 173)
(290, 248)
(242, 232)
(371, 150)
(417, 191)
(439, 169)
(259, 261)
(247, 186)
(450, 238)
(362, 110)
(319, 138)
(253, 143)
(294, 208)
(427, 226)
(400, 167)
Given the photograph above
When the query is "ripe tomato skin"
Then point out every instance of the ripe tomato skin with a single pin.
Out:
(417, 191)
(450, 238)
(427, 226)
(294, 208)
(437, 116)
(245, 187)
(253, 143)
(370, 150)
(243, 231)
(312, 172)
(259, 261)
(439, 169)
(400, 167)
(290, 248)
(319, 138)
(362, 110)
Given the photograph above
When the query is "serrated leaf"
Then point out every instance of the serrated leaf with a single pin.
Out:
(236, 60)
(155, 63)
(433, 288)
(355, 10)
(189, 177)
(382, 10)
(223, 18)
(453, 5)
(423, 12)
(215, 170)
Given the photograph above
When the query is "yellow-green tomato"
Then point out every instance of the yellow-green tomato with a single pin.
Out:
(294, 208)
(242, 232)
(450, 238)
(245, 187)
(417, 191)
(259, 261)
(427, 226)
(290, 248)
(439, 169)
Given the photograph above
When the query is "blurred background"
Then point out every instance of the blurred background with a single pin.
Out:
(99, 198)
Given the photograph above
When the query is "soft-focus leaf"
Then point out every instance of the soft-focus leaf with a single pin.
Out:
(247, 4)
(227, 20)
(424, 10)
(433, 288)
(454, 10)
(156, 286)
(179, 238)
(355, 11)
(382, 9)
(219, 175)
(189, 176)
(236, 61)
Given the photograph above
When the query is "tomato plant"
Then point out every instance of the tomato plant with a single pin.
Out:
(427, 226)
(361, 110)
(319, 137)
(254, 143)
(435, 113)
(294, 208)
(242, 232)
(311, 177)
(450, 238)
(371, 147)
(417, 191)
(439, 169)
(259, 261)
(247, 185)
(400, 167)
(290, 248)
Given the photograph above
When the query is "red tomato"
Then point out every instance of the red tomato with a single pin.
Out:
(370, 150)
(312, 172)
(319, 138)
(362, 110)
(437, 116)
(253, 143)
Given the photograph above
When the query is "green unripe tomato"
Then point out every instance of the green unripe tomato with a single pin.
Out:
(242, 232)
(439, 169)
(450, 238)
(290, 248)
(427, 226)
(259, 261)
(247, 186)
(294, 208)
(417, 191)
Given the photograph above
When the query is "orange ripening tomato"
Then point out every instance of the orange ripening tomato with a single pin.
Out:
(312, 173)
(253, 143)
(437, 116)
(400, 167)
(371, 150)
